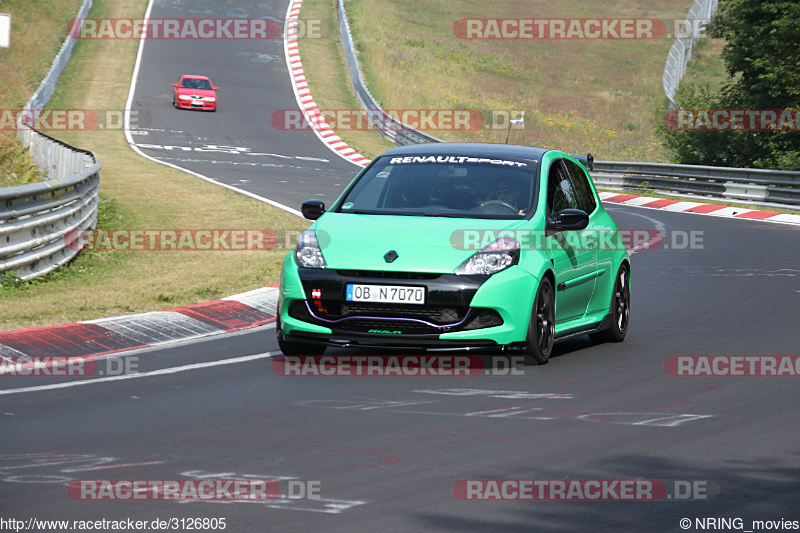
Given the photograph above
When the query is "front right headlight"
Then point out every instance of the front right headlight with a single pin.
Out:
(497, 256)
(308, 254)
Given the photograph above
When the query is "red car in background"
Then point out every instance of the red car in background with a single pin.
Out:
(194, 92)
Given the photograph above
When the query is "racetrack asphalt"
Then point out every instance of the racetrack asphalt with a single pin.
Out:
(387, 452)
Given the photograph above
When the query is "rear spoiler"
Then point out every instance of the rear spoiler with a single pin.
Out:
(586, 160)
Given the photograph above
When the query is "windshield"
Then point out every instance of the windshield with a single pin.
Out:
(445, 185)
(194, 83)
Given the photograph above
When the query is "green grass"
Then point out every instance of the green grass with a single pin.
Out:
(707, 66)
(38, 29)
(37, 32)
(16, 165)
(578, 95)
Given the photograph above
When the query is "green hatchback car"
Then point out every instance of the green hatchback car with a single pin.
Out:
(458, 245)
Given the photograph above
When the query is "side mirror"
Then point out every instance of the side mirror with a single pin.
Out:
(313, 209)
(216, 88)
(175, 85)
(569, 220)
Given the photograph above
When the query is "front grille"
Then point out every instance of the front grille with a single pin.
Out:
(388, 327)
(437, 315)
(380, 274)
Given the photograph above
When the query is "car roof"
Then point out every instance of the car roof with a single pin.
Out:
(470, 149)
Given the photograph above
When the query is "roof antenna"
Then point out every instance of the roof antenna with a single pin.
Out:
(515, 122)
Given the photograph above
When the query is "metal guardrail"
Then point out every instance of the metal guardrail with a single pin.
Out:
(681, 51)
(767, 187)
(394, 130)
(778, 188)
(36, 219)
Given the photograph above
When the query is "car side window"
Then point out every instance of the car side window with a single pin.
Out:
(582, 188)
(560, 192)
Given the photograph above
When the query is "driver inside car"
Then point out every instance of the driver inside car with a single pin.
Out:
(507, 192)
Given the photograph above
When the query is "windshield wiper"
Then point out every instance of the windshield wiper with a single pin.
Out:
(399, 213)
(445, 215)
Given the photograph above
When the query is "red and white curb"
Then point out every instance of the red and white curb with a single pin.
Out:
(110, 335)
(303, 94)
(679, 206)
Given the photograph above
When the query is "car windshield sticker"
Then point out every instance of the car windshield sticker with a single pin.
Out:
(450, 159)
(348, 205)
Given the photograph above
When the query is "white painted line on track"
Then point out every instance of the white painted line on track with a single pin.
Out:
(660, 226)
(151, 373)
(133, 146)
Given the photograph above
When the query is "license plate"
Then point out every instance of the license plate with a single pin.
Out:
(197, 103)
(393, 294)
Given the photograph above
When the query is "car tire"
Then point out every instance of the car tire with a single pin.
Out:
(620, 309)
(541, 327)
(288, 347)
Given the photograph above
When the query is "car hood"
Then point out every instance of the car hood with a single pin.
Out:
(423, 244)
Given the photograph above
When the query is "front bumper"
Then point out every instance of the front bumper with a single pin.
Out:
(459, 311)
(205, 105)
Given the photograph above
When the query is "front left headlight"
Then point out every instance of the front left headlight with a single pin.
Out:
(308, 254)
(497, 256)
